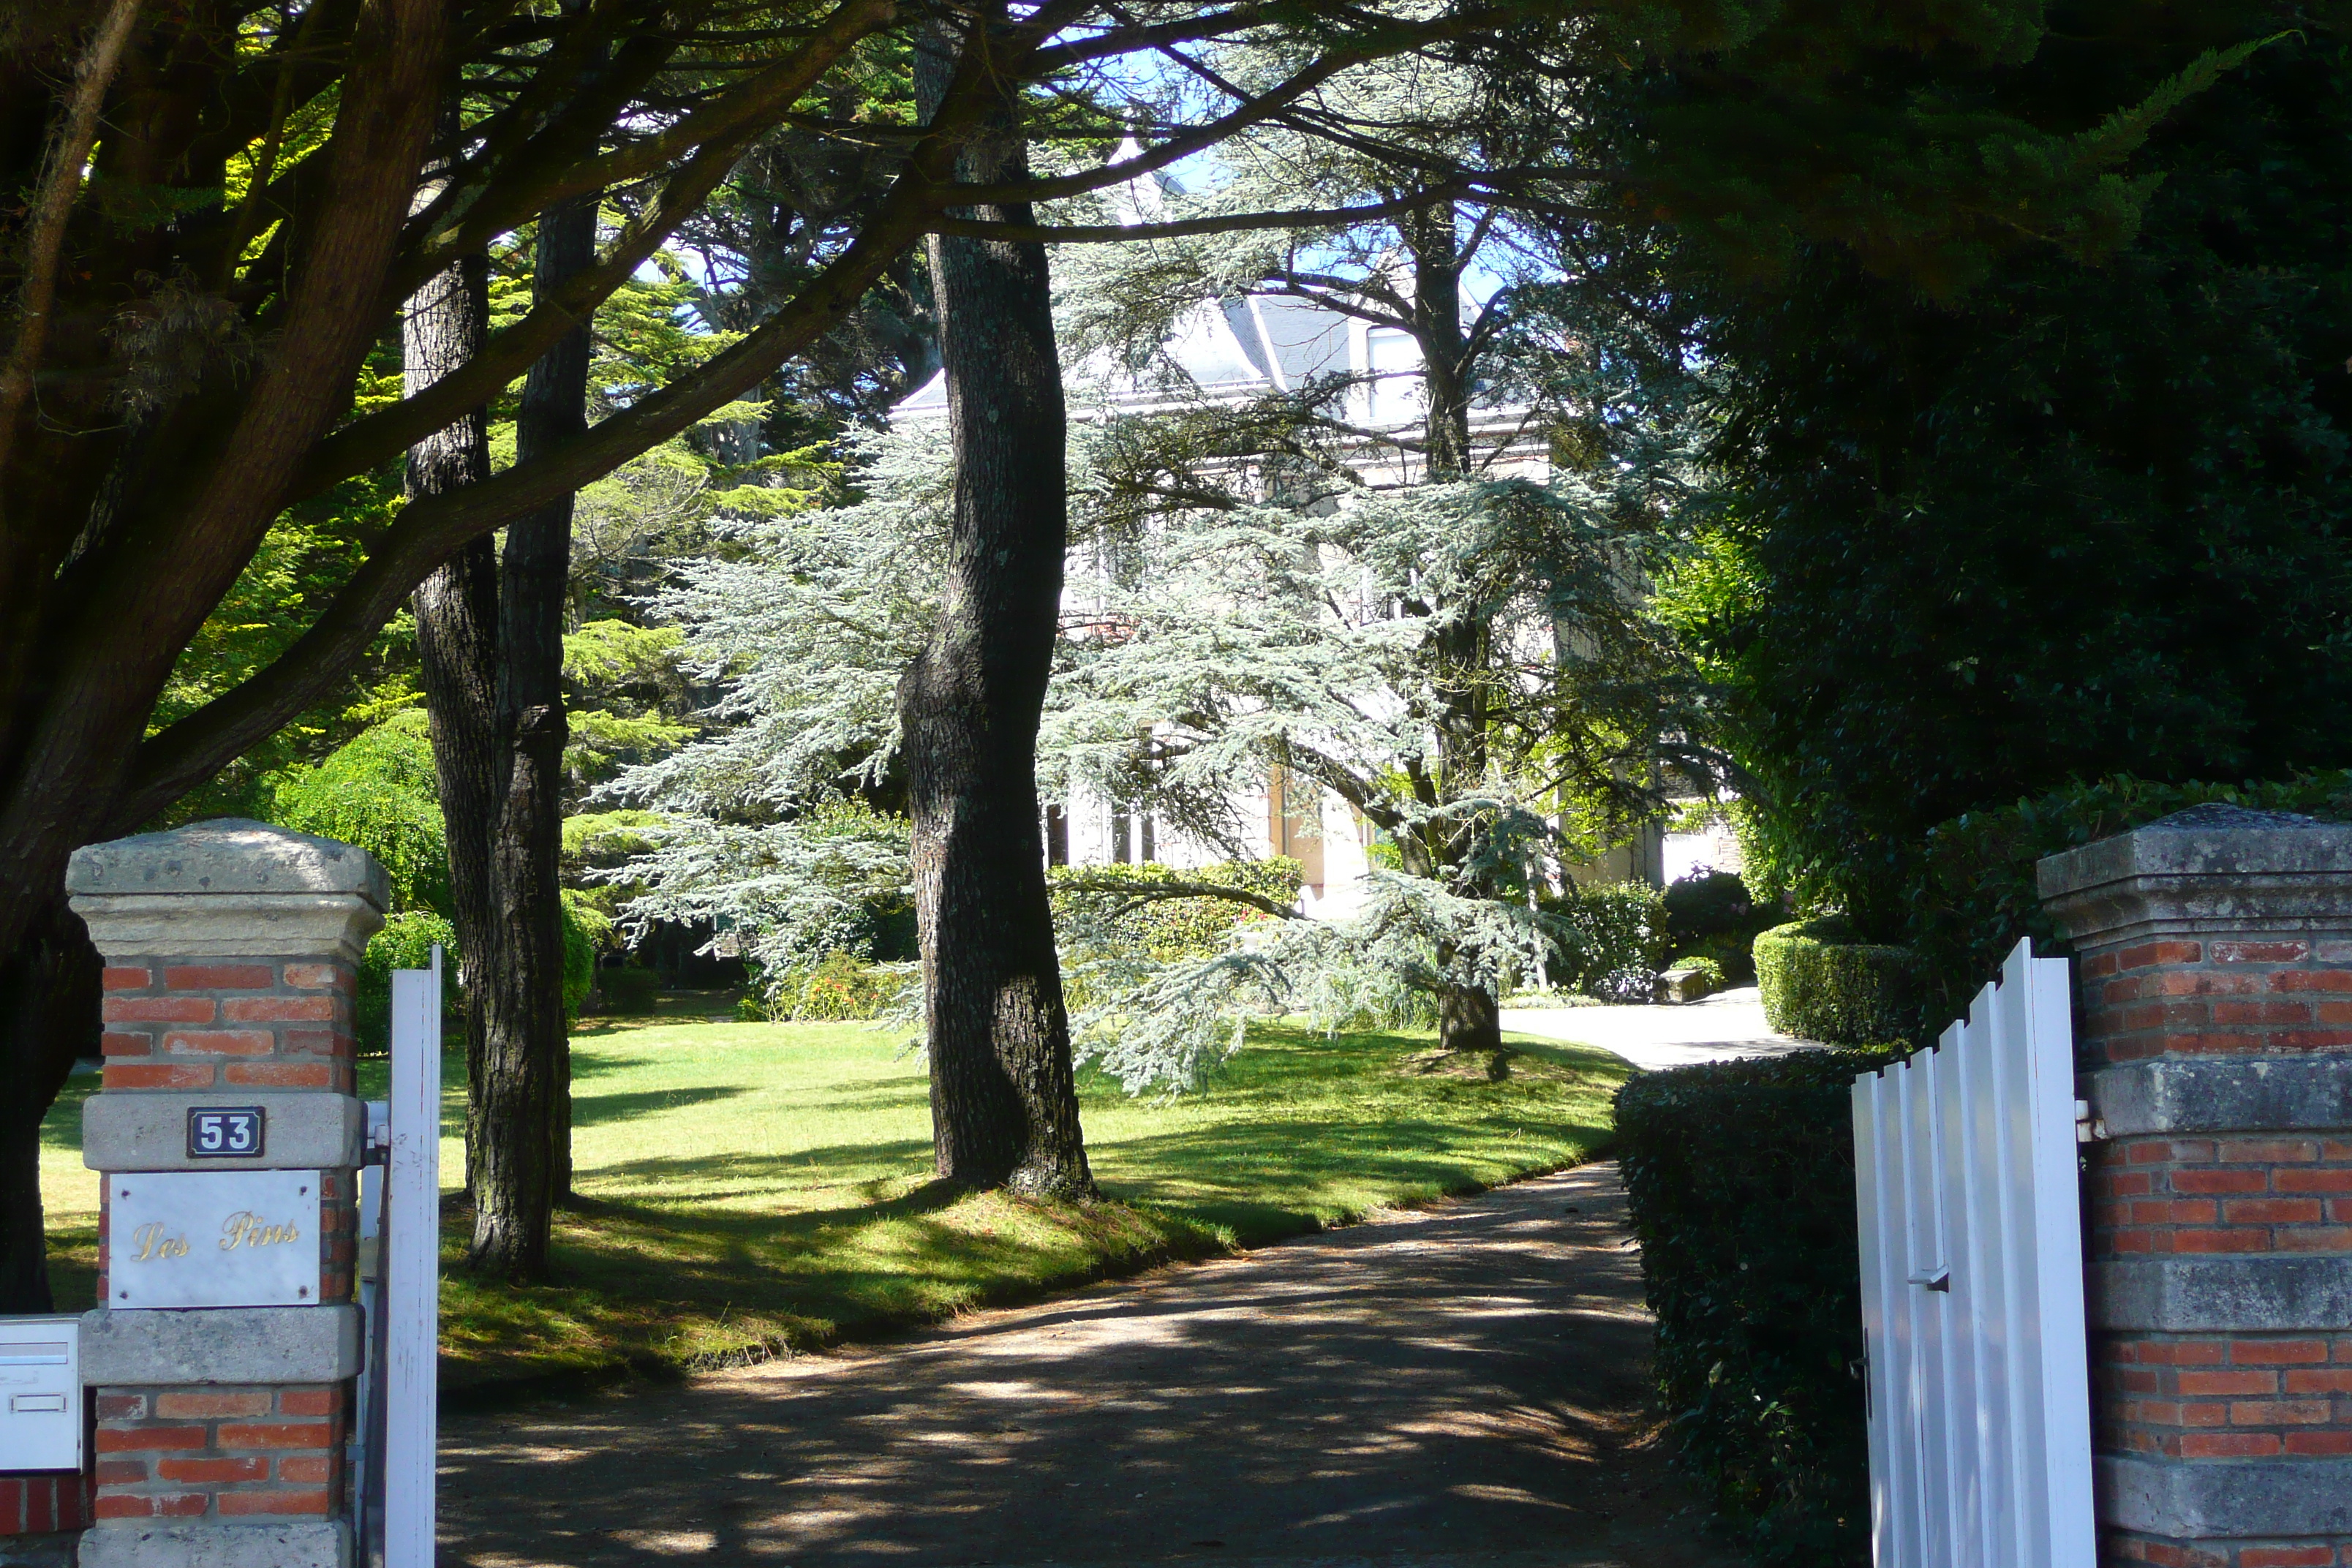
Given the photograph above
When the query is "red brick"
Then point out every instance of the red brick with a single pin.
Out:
(120, 978)
(2314, 1238)
(2259, 951)
(2312, 980)
(2335, 1149)
(279, 1009)
(121, 1407)
(158, 1075)
(2316, 1444)
(310, 1042)
(121, 1472)
(2287, 1557)
(2278, 1353)
(219, 1042)
(159, 1009)
(312, 1468)
(2267, 1151)
(2181, 1352)
(2096, 966)
(2221, 1181)
(220, 976)
(2337, 1180)
(2213, 1414)
(207, 1405)
(2273, 1211)
(306, 1499)
(155, 1505)
(2207, 1241)
(114, 1044)
(2229, 1383)
(319, 976)
(310, 1401)
(2154, 953)
(214, 1472)
(280, 1075)
(149, 1439)
(277, 1435)
(2280, 1413)
(2229, 1444)
(2319, 1380)
(2173, 1211)
(2251, 1013)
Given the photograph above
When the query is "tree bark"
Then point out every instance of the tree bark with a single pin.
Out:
(457, 613)
(1005, 1107)
(48, 1015)
(538, 571)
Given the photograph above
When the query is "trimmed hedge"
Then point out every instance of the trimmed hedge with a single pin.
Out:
(1608, 940)
(628, 990)
(1739, 1177)
(1819, 984)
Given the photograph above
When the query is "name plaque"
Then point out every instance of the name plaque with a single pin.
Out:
(213, 1239)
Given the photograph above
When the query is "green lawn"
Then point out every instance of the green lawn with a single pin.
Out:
(751, 1186)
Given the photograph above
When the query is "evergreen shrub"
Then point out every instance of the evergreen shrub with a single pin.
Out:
(1819, 984)
(405, 943)
(627, 989)
(841, 986)
(1609, 939)
(1739, 1180)
(1713, 915)
(378, 792)
(1170, 929)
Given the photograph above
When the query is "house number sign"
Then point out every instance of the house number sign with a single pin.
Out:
(213, 1239)
(226, 1132)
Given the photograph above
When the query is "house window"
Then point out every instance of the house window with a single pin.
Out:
(1394, 362)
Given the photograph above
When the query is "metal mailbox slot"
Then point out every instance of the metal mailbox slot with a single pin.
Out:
(40, 1394)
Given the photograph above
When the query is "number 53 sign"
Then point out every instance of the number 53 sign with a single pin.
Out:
(225, 1133)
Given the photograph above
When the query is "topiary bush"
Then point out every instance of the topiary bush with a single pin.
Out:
(1819, 984)
(1608, 940)
(1739, 1180)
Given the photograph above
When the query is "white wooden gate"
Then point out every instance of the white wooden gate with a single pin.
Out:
(1972, 1288)
(400, 1213)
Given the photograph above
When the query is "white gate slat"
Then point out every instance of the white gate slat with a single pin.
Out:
(1972, 1288)
(411, 1291)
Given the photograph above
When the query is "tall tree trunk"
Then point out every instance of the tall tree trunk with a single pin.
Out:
(48, 1015)
(492, 652)
(1004, 1106)
(1469, 1017)
(457, 613)
(538, 573)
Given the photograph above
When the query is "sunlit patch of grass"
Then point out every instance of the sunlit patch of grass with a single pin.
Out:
(748, 1189)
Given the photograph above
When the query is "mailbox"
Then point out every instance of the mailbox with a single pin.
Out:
(40, 1394)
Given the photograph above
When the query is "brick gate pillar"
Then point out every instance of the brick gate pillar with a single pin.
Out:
(232, 950)
(2213, 988)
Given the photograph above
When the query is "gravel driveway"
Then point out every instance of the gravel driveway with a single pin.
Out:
(1461, 1386)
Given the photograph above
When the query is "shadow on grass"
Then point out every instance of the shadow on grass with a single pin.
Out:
(601, 1109)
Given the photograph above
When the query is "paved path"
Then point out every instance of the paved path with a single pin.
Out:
(1729, 1024)
(1461, 1388)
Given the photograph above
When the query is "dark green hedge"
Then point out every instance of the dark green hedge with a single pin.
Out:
(1740, 1180)
(1819, 984)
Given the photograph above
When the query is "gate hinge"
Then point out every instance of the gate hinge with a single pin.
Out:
(2089, 1129)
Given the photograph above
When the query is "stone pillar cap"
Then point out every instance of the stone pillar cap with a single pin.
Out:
(2209, 867)
(226, 855)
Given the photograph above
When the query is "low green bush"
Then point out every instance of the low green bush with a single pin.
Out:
(587, 933)
(1608, 940)
(1116, 904)
(405, 941)
(1819, 984)
(840, 987)
(1709, 972)
(627, 989)
(1739, 1180)
(1712, 914)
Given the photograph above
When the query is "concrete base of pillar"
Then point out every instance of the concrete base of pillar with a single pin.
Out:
(311, 1543)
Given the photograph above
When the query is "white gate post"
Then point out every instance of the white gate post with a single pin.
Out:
(2213, 974)
(412, 1269)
